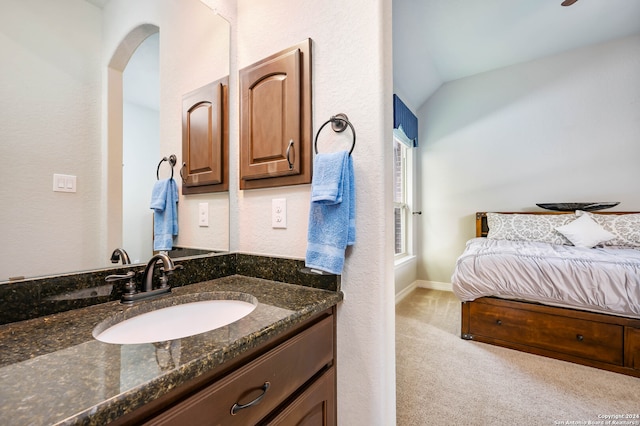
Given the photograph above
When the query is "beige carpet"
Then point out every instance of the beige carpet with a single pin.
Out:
(444, 380)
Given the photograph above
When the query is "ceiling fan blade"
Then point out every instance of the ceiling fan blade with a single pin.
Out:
(568, 2)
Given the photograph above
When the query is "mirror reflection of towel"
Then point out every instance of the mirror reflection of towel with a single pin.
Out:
(164, 200)
(332, 212)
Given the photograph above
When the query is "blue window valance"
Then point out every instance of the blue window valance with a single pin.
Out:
(404, 121)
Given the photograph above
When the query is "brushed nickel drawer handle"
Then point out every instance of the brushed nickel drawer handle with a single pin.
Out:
(288, 151)
(579, 337)
(237, 407)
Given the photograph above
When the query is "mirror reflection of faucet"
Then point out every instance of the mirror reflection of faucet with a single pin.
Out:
(132, 293)
(120, 255)
(167, 354)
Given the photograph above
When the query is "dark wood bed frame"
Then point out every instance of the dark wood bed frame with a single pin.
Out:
(608, 342)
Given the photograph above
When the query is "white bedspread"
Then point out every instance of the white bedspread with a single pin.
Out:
(599, 279)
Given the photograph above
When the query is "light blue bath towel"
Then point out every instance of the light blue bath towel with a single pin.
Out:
(332, 213)
(164, 200)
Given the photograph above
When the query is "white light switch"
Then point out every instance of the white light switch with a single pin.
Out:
(64, 183)
(279, 213)
(203, 214)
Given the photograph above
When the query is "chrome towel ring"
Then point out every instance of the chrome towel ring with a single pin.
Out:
(172, 161)
(339, 123)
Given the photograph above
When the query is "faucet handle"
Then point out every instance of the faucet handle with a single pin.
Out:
(115, 277)
(130, 287)
(171, 270)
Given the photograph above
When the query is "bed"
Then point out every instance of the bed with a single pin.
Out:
(572, 295)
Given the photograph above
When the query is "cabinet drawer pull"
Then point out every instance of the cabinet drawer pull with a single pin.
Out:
(579, 337)
(288, 152)
(499, 322)
(237, 407)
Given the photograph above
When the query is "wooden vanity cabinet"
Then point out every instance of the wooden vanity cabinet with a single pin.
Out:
(315, 406)
(293, 382)
(205, 139)
(275, 119)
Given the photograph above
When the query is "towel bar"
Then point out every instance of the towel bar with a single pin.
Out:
(339, 123)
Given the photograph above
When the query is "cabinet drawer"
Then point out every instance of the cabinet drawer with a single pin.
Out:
(285, 368)
(582, 338)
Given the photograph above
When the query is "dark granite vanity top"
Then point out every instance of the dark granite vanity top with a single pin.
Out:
(53, 371)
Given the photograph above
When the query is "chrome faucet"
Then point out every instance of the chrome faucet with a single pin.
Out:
(119, 254)
(168, 268)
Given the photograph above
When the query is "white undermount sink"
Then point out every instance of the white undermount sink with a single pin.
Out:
(175, 322)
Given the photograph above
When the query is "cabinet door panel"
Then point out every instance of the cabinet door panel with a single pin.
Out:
(204, 139)
(271, 117)
(266, 97)
(275, 119)
(203, 166)
(314, 407)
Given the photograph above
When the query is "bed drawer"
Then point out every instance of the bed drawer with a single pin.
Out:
(632, 348)
(582, 338)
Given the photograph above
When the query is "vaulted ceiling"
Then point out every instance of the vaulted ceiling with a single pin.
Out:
(435, 41)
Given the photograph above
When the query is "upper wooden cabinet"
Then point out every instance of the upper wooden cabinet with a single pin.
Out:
(205, 139)
(275, 119)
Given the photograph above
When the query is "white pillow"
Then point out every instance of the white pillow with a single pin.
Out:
(585, 232)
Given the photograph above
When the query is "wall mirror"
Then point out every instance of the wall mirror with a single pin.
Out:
(72, 107)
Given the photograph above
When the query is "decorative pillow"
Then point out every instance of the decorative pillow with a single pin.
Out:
(585, 232)
(528, 227)
(624, 227)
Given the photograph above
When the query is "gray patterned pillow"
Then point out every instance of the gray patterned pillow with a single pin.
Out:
(624, 227)
(528, 227)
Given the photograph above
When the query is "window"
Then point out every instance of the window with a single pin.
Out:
(402, 198)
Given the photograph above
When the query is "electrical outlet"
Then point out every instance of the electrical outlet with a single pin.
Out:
(203, 214)
(279, 213)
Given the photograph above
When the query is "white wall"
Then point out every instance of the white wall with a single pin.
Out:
(140, 156)
(49, 123)
(351, 74)
(563, 128)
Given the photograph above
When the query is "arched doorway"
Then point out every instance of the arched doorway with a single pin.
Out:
(125, 192)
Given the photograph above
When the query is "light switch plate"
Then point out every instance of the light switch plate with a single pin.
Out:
(64, 183)
(279, 213)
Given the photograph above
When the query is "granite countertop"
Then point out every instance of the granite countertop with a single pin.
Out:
(52, 370)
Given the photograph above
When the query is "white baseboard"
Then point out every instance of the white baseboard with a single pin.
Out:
(434, 285)
(405, 292)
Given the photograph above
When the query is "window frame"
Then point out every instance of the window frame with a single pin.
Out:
(405, 201)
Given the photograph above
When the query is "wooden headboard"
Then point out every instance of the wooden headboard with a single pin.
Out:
(482, 227)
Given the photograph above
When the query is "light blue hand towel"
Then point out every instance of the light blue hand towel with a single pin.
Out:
(332, 212)
(164, 199)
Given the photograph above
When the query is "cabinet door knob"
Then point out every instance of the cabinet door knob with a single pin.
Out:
(499, 322)
(579, 337)
(237, 407)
